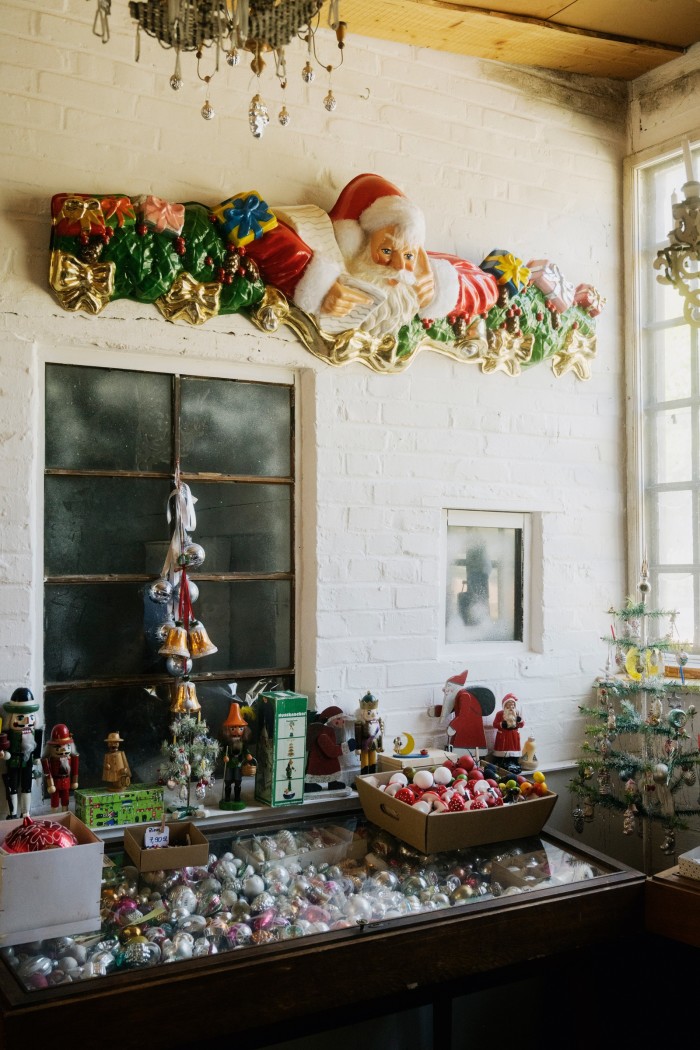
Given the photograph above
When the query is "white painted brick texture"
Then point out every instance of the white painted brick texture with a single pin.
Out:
(497, 157)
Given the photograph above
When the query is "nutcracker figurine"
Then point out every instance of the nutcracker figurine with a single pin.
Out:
(115, 767)
(20, 746)
(369, 730)
(60, 765)
(235, 731)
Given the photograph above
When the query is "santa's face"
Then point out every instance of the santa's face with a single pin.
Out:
(396, 280)
(387, 248)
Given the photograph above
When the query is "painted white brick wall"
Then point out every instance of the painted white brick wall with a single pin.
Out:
(497, 157)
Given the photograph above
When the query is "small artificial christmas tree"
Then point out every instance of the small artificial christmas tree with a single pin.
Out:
(641, 755)
(190, 758)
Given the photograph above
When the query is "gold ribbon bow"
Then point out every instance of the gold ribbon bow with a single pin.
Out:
(80, 286)
(84, 210)
(190, 300)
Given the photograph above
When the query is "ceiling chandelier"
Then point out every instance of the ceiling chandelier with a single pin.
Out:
(680, 261)
(228, 28)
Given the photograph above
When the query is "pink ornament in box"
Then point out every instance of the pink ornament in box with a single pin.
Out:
(589, 298)
(547, 276)
(160, 214)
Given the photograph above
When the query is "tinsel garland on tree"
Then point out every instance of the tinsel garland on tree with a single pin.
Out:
(640, 757)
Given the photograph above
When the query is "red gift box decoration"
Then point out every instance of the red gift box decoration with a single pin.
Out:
(589, 298)
(118, 211)
(547, 276)
(75, 213)
(161, 215)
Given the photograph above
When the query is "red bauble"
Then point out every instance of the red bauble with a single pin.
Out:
(35, 835)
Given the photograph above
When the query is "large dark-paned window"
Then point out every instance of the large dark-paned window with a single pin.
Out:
(114, 442)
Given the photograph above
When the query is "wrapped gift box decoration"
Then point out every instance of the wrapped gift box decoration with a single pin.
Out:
(51, 892)
(76, 213)
(589, 298)
(160, 215)
(281, 748)
(244, 218)
(137, 804)
(547, 276)
(118, 211)
(510, 272)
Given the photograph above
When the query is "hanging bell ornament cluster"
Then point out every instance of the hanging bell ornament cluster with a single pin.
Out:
(182, 637)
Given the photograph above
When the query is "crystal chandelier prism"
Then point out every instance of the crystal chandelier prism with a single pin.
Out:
(229, 28)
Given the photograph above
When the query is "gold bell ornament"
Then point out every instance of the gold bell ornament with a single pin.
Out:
(199, 641)
(175, 643)
(185, 700)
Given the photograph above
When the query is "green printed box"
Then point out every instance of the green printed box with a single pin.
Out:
(138, 804)
(281, 749)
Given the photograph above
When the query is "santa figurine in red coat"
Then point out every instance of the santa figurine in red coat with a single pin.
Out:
(372, 236)
(325, 750)
(60, 764)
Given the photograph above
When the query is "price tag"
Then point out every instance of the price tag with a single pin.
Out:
(156, 838)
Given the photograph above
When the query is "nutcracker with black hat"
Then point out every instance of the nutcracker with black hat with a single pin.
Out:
(20, 746)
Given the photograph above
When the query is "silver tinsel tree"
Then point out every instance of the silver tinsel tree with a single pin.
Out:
(641, 755)
(190, 758)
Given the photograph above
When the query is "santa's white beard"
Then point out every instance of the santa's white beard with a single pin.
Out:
(401, 304)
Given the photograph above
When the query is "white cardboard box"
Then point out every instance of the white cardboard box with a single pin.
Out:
(53, 892)
(689, 864)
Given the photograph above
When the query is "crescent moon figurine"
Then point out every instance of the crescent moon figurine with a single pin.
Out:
(631, 664)
(408, 744)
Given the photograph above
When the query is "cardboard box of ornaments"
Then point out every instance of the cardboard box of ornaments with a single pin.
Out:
(438, 832)
(50, 892)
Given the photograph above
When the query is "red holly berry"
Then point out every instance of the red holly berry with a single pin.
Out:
(575, 324)
(141, 229)
(220, 274)
(242, 250)
(427, 323)
(228, 278)
(241, 269)
(180, 246)
(208, 261)
(539, 315)
(84, 238)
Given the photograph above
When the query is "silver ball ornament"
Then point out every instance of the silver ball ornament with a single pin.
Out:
(160, 591)
(192, 555)
(177, 666)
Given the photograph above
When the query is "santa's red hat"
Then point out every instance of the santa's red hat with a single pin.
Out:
(370, 203)
(459, 679)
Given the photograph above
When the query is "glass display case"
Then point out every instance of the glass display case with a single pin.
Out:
(279, 908)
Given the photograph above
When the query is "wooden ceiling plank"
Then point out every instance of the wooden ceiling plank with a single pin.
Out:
(442, 27)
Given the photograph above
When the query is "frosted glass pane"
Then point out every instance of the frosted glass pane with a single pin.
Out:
(94, 526)
(484, 584)
(669, 446)
(107, 419)
(675, 528)
(675, 591)
(244, 528)
(671, 349)
(231, 427)
(93, 631)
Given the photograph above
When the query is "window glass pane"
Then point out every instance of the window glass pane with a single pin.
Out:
(107, 419)
(669, 447)
(675, 591)
(675, 524)
(248, 622)
(484, 584)
(670, 348)
(93, 631)
(231, 427)
(244, 528)
(94, 526)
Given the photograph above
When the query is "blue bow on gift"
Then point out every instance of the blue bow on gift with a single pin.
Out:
(247, 214)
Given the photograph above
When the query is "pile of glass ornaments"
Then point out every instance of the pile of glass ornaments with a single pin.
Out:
(162, 917)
